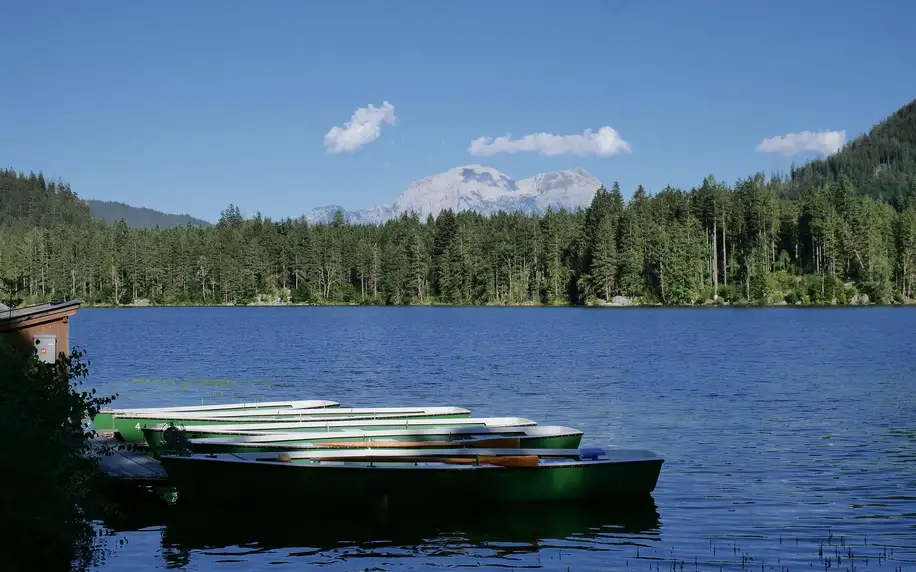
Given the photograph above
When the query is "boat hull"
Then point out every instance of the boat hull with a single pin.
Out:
(131, 428)
(209, 481)
(155, 435)
(104, 420)
(565, 441)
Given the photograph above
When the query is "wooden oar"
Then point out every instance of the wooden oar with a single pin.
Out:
(494, 443)
(518, 461)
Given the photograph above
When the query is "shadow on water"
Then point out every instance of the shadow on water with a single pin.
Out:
(505, 531)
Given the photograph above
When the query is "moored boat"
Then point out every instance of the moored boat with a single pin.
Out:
(130, 425)
(103, 420)
(411, 477)
(154, 434)
(527, 437)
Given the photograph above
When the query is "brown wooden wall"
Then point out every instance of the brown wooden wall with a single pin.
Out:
(60, 328)
(53, 320)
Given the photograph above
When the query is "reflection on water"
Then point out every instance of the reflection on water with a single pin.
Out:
(489, 536)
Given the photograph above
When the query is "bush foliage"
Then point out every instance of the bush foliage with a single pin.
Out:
(49, 467)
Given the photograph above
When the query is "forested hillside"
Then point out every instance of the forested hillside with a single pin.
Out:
(28, 201)
(140, 217)
(880, 163)
(799, 240)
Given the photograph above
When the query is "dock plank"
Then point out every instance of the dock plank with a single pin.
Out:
(129, 464)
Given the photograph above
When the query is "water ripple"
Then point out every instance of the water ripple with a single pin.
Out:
(789, 437)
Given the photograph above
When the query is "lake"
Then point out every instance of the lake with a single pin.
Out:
(789, 435)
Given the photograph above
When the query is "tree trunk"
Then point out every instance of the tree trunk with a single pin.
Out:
(715, 262)
(817, 256)
(747, 282)
(724, 255)
(116, 283)
(773, 248)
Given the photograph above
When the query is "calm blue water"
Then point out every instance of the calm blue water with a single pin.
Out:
(789, 435)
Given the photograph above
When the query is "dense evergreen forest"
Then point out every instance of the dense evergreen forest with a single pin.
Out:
(839, 230)
(879, 164)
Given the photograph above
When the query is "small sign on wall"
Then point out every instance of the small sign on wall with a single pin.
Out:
(46, 346)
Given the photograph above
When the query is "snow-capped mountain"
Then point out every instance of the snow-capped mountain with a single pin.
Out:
(476, 188)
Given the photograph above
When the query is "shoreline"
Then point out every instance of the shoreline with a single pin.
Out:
(507, 305)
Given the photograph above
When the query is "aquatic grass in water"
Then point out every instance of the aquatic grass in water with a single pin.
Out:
(198, 382)
(723, 554)
(833, 553)
(206, 390)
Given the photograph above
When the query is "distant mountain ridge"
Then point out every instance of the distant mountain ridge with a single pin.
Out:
(140, 217)
(475, 188)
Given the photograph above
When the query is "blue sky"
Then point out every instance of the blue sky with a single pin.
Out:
(190, 106)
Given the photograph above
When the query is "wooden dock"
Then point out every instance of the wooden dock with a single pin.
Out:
(131, 465)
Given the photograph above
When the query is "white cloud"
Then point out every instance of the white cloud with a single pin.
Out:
(605, 143)
(825, 142)
(365, 126)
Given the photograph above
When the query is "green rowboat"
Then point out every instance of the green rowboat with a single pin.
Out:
(154, 434)
(412, 477)
(104, 419)
(130, 425)
(530, 437)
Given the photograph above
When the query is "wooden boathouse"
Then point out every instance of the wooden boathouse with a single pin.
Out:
(46, 326)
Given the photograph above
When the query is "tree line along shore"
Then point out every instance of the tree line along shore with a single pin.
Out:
(714, 244)
(840, 230)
